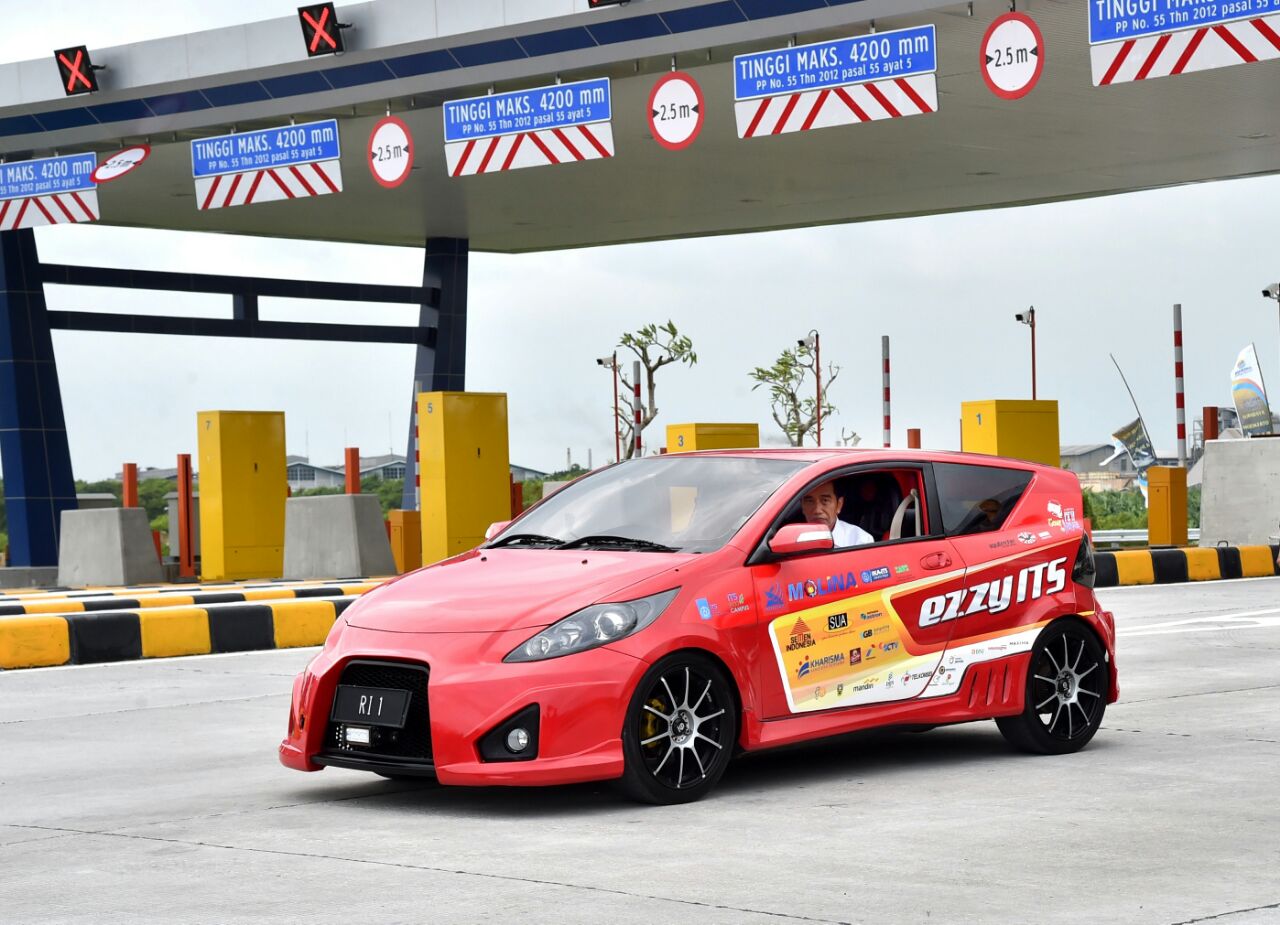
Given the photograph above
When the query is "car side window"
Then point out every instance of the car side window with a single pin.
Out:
(977, 499)
(875, 506)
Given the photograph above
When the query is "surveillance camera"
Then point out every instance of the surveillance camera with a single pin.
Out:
(1021, 316)
(1272, 292)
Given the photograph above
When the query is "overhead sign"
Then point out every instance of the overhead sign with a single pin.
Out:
(558, 124)
(48, 191)
(1118, 20)
(885, 75)
(76, 70)
(1250, 395)
(320, 29)
(1146, 39)
(390, 152)
(289, 162)
(676, 111)
(119, 164)
(1013, 56)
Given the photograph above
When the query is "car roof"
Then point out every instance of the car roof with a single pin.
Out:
(870, 455)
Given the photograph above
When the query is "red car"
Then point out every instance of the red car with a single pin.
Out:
(653, 619)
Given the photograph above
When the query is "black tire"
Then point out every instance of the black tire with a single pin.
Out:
(1066, 692)
(679, 732)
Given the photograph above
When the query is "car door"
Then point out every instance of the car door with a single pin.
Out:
(842, 628)
(1018, 557)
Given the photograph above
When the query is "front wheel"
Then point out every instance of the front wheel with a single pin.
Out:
(1066, 692)
(679, 731)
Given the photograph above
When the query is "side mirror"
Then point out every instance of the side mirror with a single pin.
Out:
(794, 538)
(495, 529)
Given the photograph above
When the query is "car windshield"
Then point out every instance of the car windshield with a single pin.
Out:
(664, 503)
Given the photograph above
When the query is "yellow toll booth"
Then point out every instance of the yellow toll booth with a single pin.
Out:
(1166, 506)
(686, 438)
(1016, 429)
(243, 487)
(465, 469)
(406, 539)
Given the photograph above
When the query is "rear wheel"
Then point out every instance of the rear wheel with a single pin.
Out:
(679, 731)
(1066, 692)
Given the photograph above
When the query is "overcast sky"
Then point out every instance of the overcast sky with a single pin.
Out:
(1103, 275)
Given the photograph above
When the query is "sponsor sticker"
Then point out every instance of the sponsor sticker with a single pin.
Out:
(875, 574)
(820, 587)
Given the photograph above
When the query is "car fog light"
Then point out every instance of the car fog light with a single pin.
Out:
(357, 735)
(517, 740)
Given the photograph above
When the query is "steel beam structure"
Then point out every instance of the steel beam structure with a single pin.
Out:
(38, 485)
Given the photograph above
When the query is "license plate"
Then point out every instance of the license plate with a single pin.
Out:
(370, 706)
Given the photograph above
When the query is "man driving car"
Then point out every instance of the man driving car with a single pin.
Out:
(822, 505)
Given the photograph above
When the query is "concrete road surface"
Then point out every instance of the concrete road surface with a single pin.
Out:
(150, 792)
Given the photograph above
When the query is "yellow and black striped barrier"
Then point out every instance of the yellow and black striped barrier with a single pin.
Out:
(61, 626)
(54, 602)
(1172, 566)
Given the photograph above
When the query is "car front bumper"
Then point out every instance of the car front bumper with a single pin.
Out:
(582, 701)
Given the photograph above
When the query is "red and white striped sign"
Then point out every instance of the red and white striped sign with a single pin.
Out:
(566, 145)
(1203, 49)
(848, 105)
(252, 186)
(55, 209)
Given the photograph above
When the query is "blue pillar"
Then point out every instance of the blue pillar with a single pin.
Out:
(444, 368)
(38, 485)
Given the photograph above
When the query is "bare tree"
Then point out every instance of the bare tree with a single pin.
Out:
(792, 386)
(655, 346)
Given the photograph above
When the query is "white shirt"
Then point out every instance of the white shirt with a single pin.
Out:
(847, 534)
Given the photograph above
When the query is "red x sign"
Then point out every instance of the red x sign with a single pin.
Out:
(76, 70)
(320, 29)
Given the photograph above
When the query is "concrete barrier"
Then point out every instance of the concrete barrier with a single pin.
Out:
(328, 535)
(1240, 498)
(1171, 566)
(37, 576)
(108, 546)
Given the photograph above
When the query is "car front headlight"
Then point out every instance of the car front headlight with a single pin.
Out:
(597, 625)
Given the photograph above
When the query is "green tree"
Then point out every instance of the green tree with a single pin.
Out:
(388, 491)
(151, 494)
(533, 487)
(1116, 510)
(655, 346)
(792, 384)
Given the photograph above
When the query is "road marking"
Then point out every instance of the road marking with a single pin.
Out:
(1249, 619)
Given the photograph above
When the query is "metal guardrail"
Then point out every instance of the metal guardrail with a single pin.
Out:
(1128, 537)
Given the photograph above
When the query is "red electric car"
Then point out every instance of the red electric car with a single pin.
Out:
(653, 619)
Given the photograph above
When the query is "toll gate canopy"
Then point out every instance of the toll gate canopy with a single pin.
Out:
(930, 136)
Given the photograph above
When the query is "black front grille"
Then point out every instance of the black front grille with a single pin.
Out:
(414, 740)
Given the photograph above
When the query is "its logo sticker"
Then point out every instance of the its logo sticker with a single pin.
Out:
(996, 596)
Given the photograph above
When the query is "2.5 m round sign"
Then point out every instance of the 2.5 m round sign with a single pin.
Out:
(676, 111)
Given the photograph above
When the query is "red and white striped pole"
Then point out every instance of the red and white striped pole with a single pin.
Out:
(1180, 398)
(639, 406)
(884, 354)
